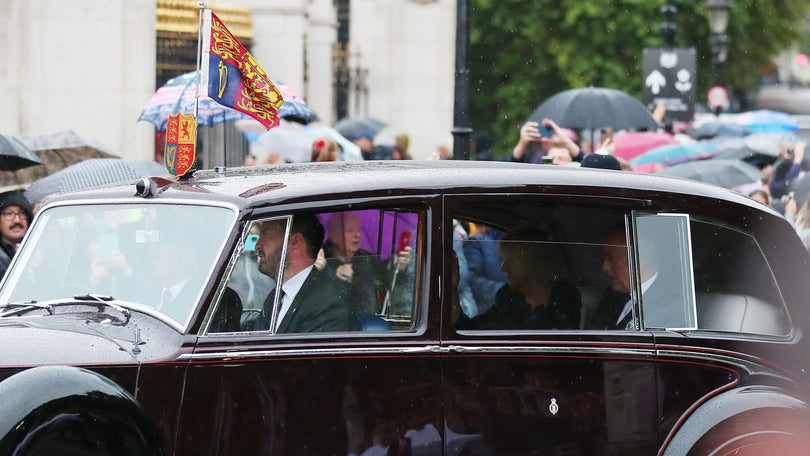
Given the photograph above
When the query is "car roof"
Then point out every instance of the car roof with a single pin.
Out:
(260, 185)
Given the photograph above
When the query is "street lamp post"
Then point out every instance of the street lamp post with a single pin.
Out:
(461, 108)
(718, 12)
(668, 30)
(668, 27)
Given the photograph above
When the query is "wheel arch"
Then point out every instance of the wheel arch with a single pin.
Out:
(45, 406)
(740, 403)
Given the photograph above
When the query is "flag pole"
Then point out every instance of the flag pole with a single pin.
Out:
(199, 60)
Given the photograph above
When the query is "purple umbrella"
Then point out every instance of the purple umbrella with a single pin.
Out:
(396, 228)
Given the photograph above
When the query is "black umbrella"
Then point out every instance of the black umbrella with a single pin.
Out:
(721, 172)
(745, 154)
(91, 173)
(595, 107)
(738, 148)
(55, 151)
(712, 129)
(14, 155)
(351, 127)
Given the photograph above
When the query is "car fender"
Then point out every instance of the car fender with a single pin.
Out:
(744, 411)
(50, 408)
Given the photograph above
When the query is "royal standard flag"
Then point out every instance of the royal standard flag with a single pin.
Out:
(233, 78)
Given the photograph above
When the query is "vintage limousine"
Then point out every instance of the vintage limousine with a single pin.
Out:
(424, 308)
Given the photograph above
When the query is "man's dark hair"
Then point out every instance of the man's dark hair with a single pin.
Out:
(311, 227)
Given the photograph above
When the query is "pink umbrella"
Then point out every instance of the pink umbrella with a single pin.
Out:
(631, 145)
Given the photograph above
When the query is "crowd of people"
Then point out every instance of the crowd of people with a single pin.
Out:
(545, 142)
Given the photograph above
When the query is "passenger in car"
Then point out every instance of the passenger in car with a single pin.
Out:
(614, 308)
(173, 260)
(536, 295)
(367, 277)
(661, 298)
(485, 274)
(227, 314)
(311, 301)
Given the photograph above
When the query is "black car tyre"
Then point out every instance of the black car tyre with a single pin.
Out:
(82, 434)
(63, 410)
(764, 431)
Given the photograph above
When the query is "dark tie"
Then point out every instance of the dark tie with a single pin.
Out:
(280, 305)
(267, 308)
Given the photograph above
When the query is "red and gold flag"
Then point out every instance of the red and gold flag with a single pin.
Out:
(233, 78)
(180, 150)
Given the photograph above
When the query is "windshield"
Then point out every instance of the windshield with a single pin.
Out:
(157, 255)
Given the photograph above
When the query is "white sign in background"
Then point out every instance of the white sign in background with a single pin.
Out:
(669, 78)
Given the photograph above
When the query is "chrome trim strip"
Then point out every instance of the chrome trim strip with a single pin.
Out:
(319, 352)
(750, 367)
(405, 350)
(740, 363)
(565, 350)
(138, 200)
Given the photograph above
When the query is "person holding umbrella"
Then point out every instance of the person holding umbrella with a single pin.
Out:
(545, 139)
(15, 215)
(786, 168)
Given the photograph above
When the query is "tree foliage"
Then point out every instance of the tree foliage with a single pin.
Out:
(521, 52)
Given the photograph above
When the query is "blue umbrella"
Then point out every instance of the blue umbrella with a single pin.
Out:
(769, 142)
(178, 94)
(766, 120)
(675, 153)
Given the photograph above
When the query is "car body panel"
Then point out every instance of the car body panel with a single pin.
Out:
(426, 385)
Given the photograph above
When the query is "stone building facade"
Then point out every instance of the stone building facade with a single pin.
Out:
(91, 65)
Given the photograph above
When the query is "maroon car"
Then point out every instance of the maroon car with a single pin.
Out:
(423, 308)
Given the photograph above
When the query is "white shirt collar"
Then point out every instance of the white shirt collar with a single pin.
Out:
(291, 288)
(629, 306)
(648, 283)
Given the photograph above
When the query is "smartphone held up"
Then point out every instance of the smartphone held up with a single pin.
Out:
(545, 131)
(404, 241)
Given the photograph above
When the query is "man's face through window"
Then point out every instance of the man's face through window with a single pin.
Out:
(269, 247)
(615, 262)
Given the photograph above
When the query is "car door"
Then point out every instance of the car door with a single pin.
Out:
(372, 388)
(726, 327)
(512, 387)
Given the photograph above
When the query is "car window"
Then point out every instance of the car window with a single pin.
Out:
(534, 266)
(665, 271)
(735, 287)
(360, 277)
(527, 265)
(154, 255)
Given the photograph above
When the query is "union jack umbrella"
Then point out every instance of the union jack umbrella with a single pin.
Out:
(177, 96)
